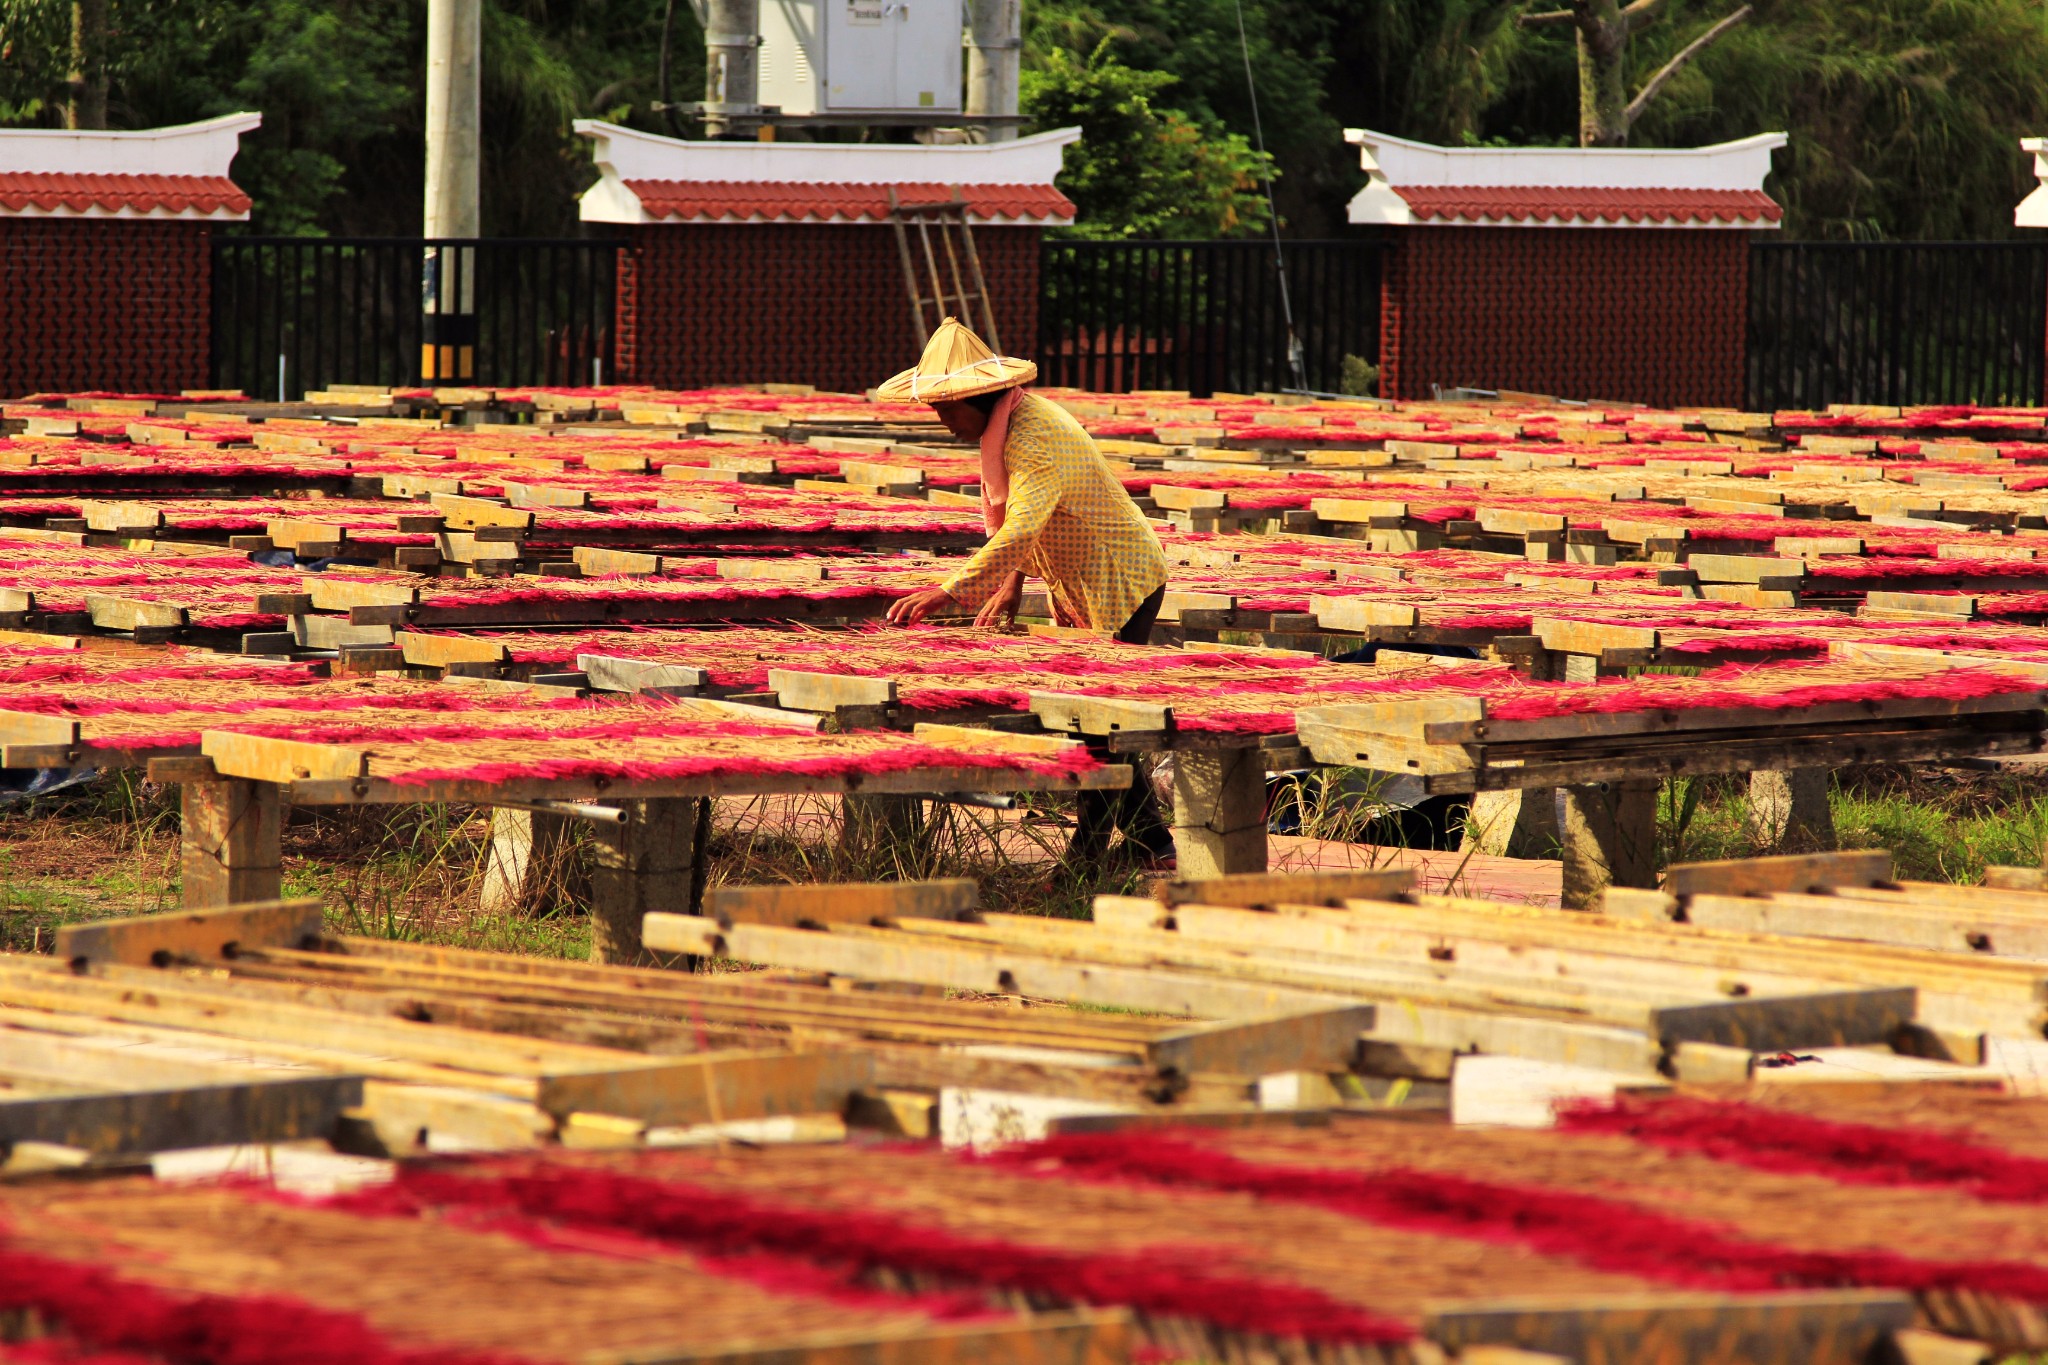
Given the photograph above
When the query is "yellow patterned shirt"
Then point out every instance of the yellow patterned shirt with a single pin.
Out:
(1069, 521)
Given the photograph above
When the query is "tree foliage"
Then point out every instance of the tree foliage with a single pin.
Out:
(339, 85)
(1904, 115)
(1142, 171)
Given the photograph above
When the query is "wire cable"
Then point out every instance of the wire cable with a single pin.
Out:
(1295, 362)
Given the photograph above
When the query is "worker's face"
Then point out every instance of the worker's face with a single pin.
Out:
(962, 419)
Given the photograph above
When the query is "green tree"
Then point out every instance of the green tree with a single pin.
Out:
(1197, 43)
(1141, 170)
(339, 85)
(1905, 115)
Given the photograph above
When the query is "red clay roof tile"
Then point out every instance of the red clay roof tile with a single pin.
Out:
(793, 201)
(1537, 204)
(53, 192)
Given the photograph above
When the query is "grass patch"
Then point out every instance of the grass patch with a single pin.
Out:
(415, 873)
(1940, 825)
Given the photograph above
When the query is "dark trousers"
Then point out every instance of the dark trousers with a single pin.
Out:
(1134, 810)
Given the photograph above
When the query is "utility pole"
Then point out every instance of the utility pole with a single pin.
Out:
(454, 142)
(995, 46)
(732, 73)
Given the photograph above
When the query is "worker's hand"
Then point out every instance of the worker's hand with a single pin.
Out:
(909, 611)
(1000, 611)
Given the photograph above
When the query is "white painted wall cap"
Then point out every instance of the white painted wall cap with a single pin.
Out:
(628, 154)
(1739, 165)
(2032, 211)
(196, 149)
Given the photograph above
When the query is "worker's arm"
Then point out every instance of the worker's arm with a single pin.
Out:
(1034, 494)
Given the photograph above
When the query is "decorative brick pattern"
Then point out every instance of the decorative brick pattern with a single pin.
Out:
(100, 304)
(1651, 315)
(707, 304)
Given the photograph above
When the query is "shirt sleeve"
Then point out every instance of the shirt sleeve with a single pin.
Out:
(1034, 495)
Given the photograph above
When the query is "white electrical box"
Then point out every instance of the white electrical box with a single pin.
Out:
(861, 56)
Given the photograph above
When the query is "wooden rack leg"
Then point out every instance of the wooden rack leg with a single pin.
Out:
(1790, 809)
(1610, 839)
(647, 863)
(1219, 812)
(1514, 824)
(231, 843)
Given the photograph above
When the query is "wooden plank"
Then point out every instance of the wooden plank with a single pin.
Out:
(439, 651)
(1937, 604)
(468, 513)
(1306, 1040)
(843, 902)
(342, 592)
(606, 673)
(1759, 569)
(791, 570)
(1091, 1336)
(121, 517)
(595, 561)
(1918, 1346)
(713, 1087)
(280, 1109)
(827, 692)
(92, 1064)
(1263, 890)
(1361, 615)
(282, 761)
(29, 727)
(1803, 1327)
(159, 999)
(109, 612)
(1787, 1022)
(410, 1120)
(229, 843)
(1948, 928)
(1099, 715)
(883, 955)
(1597, 638)
(1792, 872)
(203, 935)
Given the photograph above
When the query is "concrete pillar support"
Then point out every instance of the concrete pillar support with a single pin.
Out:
(231, 843)
(647, 863)
(1514, 824)
(524, 866)
(1790, 809)
(1610, 839)
(1219, 812)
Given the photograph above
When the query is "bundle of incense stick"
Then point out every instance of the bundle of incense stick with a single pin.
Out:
(1788, 1189)
(1209, 1275)
(218, 1275)
(1716, 1200)
(420, 734)
(738, 658)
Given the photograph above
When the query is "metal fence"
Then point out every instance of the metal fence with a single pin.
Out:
(297, 313)
(1896, 322)
(1204, 316)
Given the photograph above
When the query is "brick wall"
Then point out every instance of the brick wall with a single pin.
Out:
(103, 304)
(716, 303)
(1634, 314)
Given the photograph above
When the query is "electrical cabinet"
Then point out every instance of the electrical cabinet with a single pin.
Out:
(861, 56)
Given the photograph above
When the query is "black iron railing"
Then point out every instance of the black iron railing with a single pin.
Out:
(1204, 316)
(1896, 322)
(292, 314)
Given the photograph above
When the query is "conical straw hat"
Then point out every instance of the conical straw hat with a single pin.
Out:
(956, 364)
